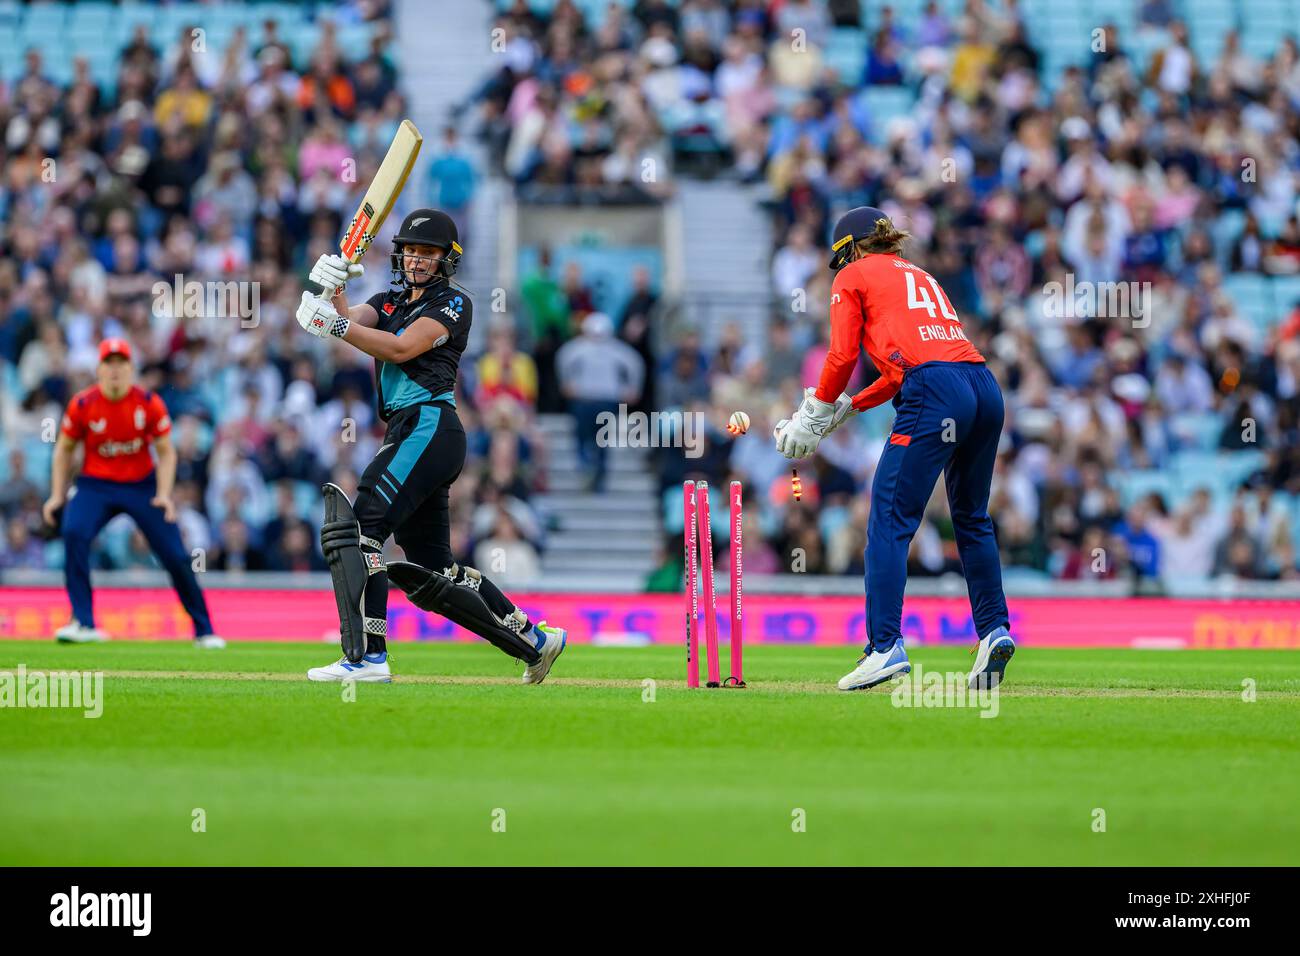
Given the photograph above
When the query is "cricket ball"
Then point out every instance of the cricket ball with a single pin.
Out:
(739, 423)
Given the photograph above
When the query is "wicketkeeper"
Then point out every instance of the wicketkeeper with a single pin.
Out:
(949, 420)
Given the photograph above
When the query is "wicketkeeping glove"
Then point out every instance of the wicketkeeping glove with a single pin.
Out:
(843, 408)
(332, 273)
(799, 436)
(318, 317)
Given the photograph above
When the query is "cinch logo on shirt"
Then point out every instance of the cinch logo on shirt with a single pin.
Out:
(115, 449)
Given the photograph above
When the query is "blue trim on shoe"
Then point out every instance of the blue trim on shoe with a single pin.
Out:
(1001, 649)
(896, 655)
(379, 658)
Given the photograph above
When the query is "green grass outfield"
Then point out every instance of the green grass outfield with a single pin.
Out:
(588, 772)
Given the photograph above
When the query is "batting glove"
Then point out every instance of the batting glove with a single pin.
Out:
(332, 273)
(318, 317)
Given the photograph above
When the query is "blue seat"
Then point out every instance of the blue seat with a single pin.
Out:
(1015, 575)
(306, 500)
(1286, 293)
(50, 17)
(831, 520)
(1225, 470)
(37, 456)
(1197, 431)
(1135, 485)
(1225, 231)
(1252, 295)
(883, 104)
(846, 53)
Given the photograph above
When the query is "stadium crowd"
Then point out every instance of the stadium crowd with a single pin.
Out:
(208, 167)
(1154, 434)
(1151, 435)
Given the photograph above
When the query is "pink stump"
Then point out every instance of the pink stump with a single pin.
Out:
(710, 594)
(692, 597)
(737, 561)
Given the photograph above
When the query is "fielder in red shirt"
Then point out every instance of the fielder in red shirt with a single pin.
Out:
(949, 419)
(118, 422)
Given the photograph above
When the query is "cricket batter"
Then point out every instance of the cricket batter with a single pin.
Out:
(949, 419)
(416, 333)
(117, 421)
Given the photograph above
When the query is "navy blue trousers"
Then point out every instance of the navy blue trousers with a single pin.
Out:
(949, 419)
(96, 502)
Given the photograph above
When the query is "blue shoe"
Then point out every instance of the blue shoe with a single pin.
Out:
(991, 656)
(550, 644)
(876, 668)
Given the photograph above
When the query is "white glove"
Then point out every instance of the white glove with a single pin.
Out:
(318, 317)
(332, 273)
(843, 408)
(798, 437)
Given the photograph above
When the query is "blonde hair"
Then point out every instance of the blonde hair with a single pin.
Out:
(887, 239)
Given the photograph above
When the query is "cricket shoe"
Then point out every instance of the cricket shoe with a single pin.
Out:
(551, 647)
(991, 656)
(74, 632)
(876, 668)
(210, 642)
(372, 669)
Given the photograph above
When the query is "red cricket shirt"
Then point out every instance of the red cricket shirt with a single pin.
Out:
(116, 434)
(897, 312)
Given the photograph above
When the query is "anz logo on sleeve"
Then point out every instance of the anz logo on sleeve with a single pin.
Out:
(453, 308)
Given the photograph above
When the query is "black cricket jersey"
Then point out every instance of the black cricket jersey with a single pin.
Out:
(430, 376)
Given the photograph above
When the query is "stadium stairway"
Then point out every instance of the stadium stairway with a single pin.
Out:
(726, 246)
(433, 81)
(606, 539)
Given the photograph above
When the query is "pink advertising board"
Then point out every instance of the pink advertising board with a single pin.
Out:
(297, 615)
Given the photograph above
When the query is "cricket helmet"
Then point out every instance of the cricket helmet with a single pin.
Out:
(428, 227)
(857, 223)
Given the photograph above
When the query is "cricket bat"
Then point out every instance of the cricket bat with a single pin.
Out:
(382, 194)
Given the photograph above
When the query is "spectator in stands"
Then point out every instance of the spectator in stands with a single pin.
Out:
(235, 552)
(1239, 554)
(636, 329)
(548, 307)
(597, 373)
(294, 550)
(452, 180)
(794, 265)
(21, 548)
(506, 553)
(1141, 544)
(504, 371)
(883, 67)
